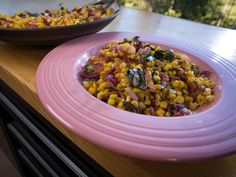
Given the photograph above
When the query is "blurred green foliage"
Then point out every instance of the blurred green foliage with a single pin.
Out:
(213, 12)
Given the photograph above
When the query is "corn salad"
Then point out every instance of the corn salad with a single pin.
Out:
(143, 78)
(53, 18)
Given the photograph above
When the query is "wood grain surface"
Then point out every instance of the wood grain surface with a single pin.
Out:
(18, 65)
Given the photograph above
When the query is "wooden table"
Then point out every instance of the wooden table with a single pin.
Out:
(18, 65)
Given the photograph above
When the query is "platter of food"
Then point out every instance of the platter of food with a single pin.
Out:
(37, 25)
(142, 95)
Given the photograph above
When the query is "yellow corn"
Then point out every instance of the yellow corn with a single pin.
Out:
(160, 112)
(179, 99)
(111, 101)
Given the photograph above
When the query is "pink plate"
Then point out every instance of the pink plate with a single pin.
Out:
(209, 133)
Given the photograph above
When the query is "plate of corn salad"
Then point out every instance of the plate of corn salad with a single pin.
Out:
(54, 26)
(139, 77)
(142, 95)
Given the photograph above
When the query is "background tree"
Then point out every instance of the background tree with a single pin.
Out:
(213, 12)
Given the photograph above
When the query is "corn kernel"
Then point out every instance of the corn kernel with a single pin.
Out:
(172, 73)
(111, 101)
(193, 106)
(179, 93)
(151, 63)
(210, 98)
(99, 95)
(113, 96)
(149, 69)
(207, 92)
(147, 111)
(190, 73)
(168, 114)
(163, 104)
(181, 84)
(212, 84)
(120, 105)
(128, 98)
(147, 100)
(139, 66)
(100, 81)
(167, 67)
(141, 95)
(179, 99)
(92, 90)
(134, 103)
(200, 99)
(172, 96)
(106, 69)
(174, 63)
(137, 90)
(109, 64)
(160, 112)
(158, 86)
(141, 105)
(156, 78)
(188, 99)
(175, 83)
(86, 84)
(190, 79)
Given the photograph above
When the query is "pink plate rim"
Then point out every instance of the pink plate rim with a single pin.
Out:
(203, 135)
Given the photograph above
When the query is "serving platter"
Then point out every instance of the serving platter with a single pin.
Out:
(206, 134)
(51, 35)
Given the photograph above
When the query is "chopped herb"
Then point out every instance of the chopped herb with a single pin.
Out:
(33, 14)
(111, 89)
(159, 54)
(89, 68)
(137, 78)
(195, 69)
(147, 57)
(164, 54)
(136, 38)
(129, 107)
(169, 54)
(150, 58)
(124, 41)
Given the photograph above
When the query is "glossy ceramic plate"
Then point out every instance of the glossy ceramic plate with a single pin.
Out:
(51, 35)
(208, 133)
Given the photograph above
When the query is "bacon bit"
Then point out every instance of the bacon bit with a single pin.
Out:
(98, 67)
(183, 77)
(144, 51)
(22, 15)
(118, 70)
(178, 107)
(205, 73)
(137, 43)
(47, 12)
(152, 111)
(150, 83)
(90, 76)
(110, 84)
(31, 25)
(183, 112)
(46, 22)
(164, 77)
(192, 86)
(133, 95)
(91, 12)
(174, 78)
(121, 94)
(113, 49)
(110, 77)
(122, 49)
(91, 71)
